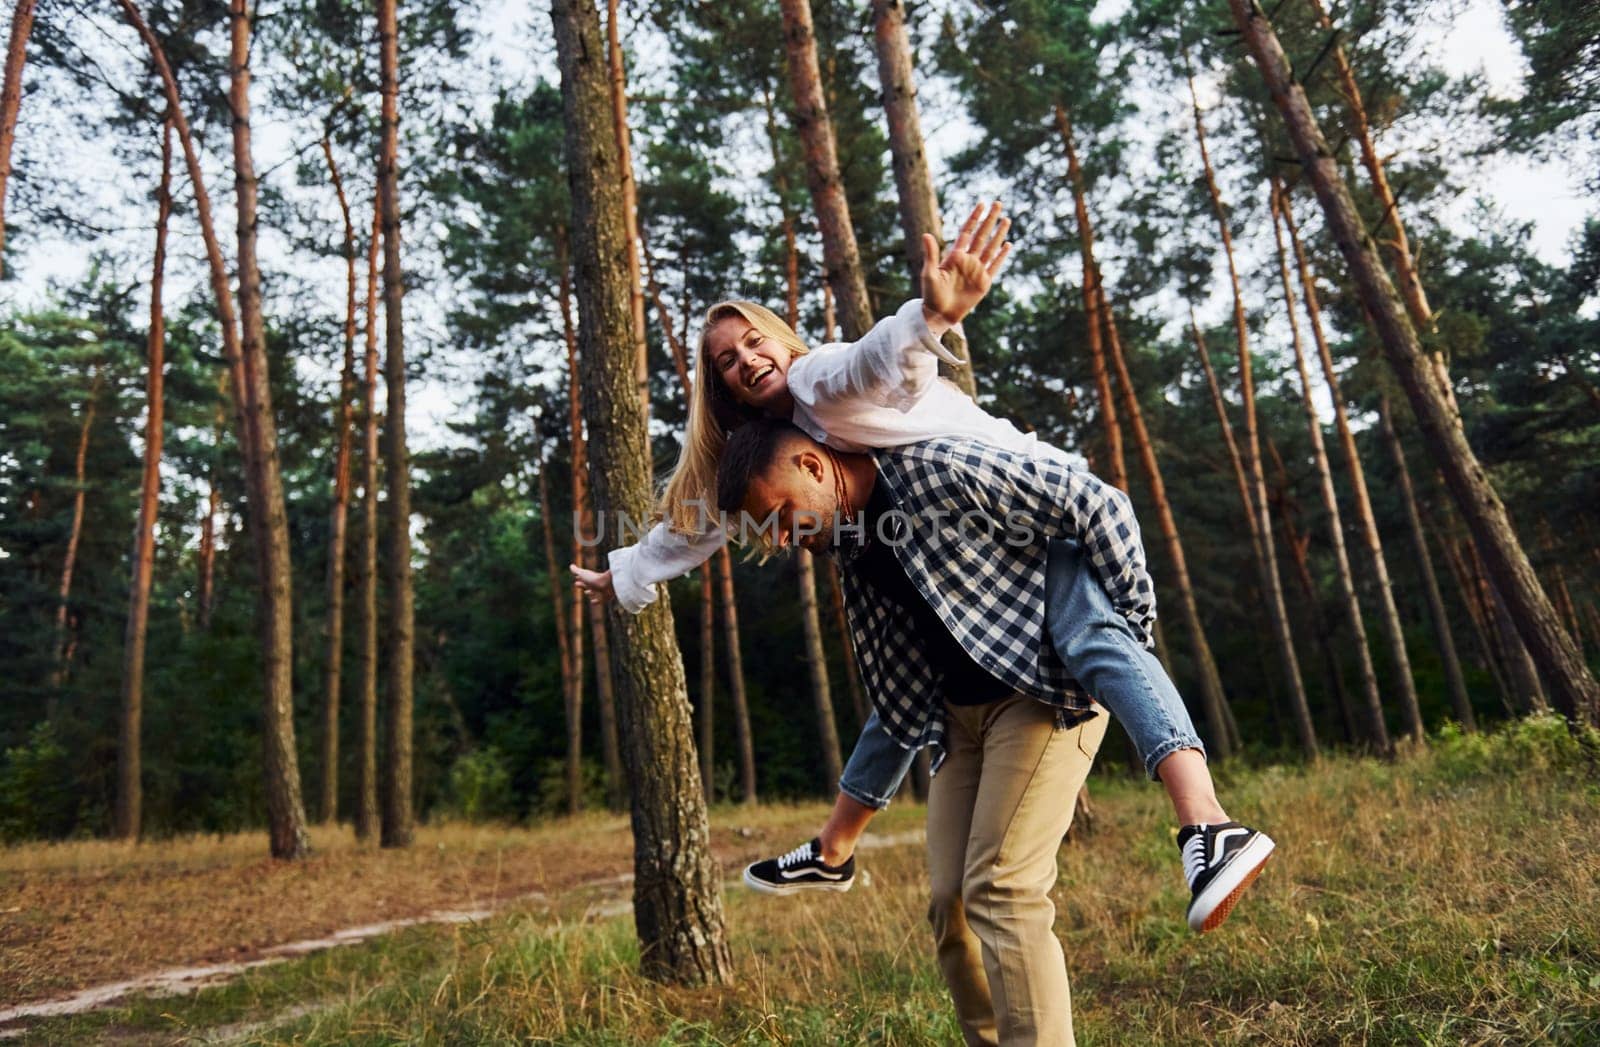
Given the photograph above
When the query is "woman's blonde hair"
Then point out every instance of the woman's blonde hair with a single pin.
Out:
(688, 498)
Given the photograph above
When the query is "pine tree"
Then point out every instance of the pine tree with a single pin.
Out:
(677, 907)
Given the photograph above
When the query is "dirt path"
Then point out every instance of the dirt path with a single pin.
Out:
(278, 912)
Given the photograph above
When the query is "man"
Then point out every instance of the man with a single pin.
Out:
(946, 565)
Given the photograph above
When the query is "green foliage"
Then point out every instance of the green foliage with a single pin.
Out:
(480, 787)
(1543, 747)
(37, 800)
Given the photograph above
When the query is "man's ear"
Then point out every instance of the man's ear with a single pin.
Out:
(810, 463)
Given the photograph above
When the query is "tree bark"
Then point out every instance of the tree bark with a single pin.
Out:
(839, 252)
(1574, 689)
(1222, 744)
(1376, 731)
(563, 640)
(1460, 704)
(630, 198)
(1410, 287)
(741, 705)
(397, 820)
(706, 710)
(206, 585)
(333, 657)
(285, 809)
(676, 900)
(1117, 468)
(69, 563)
(1472, 598)
(582, 536)
(817, 669)
(1267, 563)
(1389, 614)
(130, 793)
(919, 204)
(1298, 545)
(367, 818)
(11, 101)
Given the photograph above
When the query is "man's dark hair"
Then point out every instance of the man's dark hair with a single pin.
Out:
(749, 452)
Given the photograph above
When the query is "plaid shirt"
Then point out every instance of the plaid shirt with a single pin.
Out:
(981, 519)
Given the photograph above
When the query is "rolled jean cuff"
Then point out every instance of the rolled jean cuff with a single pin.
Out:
(1167, 748)
(863, 797)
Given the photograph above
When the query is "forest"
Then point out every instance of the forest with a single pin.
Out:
(319, 355)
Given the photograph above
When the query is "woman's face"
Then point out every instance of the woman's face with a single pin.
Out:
(751, 366)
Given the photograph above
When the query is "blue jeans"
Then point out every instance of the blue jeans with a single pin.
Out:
(1099, 649)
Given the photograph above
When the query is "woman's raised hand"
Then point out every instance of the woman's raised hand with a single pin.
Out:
(954, 284)
(596, 584)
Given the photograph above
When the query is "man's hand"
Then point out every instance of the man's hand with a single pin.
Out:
(954, 284)
(597, 584)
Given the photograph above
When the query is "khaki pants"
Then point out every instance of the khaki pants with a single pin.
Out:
(997, 811)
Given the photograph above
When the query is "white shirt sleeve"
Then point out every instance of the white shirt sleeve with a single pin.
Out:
(893, 365)
(662, 554)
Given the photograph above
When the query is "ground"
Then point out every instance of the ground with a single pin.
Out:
(1450, 898)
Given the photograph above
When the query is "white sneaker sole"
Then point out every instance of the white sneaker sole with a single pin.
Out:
(1222, 894)
(757, 884)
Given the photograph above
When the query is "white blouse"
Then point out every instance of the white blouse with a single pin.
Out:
(883, 391)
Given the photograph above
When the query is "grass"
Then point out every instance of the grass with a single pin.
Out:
(1452, 898)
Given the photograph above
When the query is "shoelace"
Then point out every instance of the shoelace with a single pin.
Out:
(799, 854)
(1194, 857)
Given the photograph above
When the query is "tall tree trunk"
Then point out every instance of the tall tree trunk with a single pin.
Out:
(1116, 464)
(1404, 682)
(1252, 525)
(919, 204)
(839, 252)
(1377, 733)
(1574, 689)
(817, 668)
(630, 199)
(10, 102)
(706, 710)
(69, 562)
(367, 818)
(741, 704)
(569, 686)
(858, 693)
(582, 537)
(206, 585)
(333, 657)
(130, 793)
(1399, 245)
(1298, 545)
(1267, 562)
(1460, 704)
(1212, 695)
(399, 632)
(1471, 598)
(676, 900)
(285, 810)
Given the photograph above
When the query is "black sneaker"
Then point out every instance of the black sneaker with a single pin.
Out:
(802, 869)
(1220, 861)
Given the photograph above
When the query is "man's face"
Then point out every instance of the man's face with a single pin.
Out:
(797, 493)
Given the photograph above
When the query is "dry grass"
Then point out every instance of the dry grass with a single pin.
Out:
(1450, 899)
(81, 913)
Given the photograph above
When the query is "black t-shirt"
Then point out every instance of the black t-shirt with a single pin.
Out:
(962, 681)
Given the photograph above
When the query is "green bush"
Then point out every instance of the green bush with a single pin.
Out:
(480, 787)
(37, 798)
(1542, 743)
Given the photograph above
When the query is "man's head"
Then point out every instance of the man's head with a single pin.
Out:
(773, 471)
